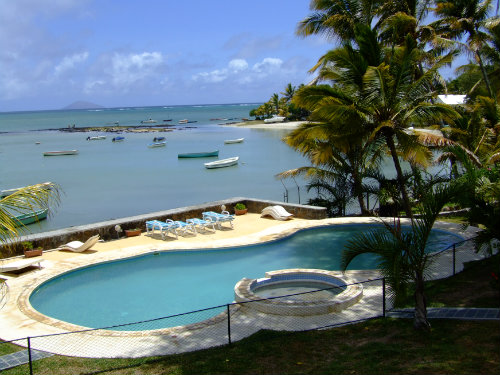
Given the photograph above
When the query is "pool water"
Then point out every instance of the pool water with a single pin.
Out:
(167, 283)
(298, 291)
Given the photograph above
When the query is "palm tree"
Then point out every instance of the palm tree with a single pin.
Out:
(288, 93)
(342, 159)
(336, 19)
(402, 256)
(468, 17)
(375, 89)
(27, 199)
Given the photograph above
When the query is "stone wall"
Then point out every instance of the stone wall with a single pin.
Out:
(106, 229)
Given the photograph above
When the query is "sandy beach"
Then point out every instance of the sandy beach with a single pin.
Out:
(275, 125)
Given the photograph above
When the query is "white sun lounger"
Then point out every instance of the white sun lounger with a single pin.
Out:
(78, 246)
(202, 223)
(277, 212)
(165, 227)
(223, 217)
(19, 264)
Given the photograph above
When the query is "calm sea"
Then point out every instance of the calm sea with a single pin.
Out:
(109, 180)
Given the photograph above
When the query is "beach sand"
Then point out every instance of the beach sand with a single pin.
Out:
(276, 125)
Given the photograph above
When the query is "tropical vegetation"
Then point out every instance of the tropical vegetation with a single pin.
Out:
(374, 100)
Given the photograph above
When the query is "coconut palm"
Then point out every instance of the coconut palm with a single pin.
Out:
(402, 257)
(336, 19)
(343, 160)
(469, 17)
(27, 199)
(375, 90)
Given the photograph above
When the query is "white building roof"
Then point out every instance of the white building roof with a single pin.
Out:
(452, 99)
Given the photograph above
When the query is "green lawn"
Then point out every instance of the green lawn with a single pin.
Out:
(379, 346)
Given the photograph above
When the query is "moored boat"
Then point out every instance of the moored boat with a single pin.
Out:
(118, 139)
(274, 119)
(58, 153)
(199, 154)
(96, 138)
(149, 121)
(222, 163)
(30, 217)
(185, 121)
(6, 192)
(230, 141)
(158, 139)
(157, 144)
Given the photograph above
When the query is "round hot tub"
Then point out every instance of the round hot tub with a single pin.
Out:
(300, 292)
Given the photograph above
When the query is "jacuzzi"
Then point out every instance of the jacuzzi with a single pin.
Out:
(299, 292)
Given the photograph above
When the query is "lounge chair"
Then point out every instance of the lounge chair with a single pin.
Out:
(223, 217)
(277, 212)
(202, 223)
(19, 264)
(185, 227)
(78, 246)
(165, 227)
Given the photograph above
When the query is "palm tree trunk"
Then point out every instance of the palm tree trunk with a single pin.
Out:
(358, 191)
(420, 321)
(399, 173)
(485, 75)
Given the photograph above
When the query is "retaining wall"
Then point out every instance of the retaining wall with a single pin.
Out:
(106, 229)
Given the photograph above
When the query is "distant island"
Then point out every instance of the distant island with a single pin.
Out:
(83, 105)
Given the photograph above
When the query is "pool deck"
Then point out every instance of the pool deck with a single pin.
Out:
(19, 320)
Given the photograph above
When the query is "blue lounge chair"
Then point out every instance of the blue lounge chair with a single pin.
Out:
(185, 227)
(202, 223)
(223, 217)
(164, 227)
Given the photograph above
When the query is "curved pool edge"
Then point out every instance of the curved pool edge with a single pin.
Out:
(19, 319)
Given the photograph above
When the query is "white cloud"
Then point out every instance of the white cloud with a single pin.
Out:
(268, 65)
(69, 62)
(238, 65)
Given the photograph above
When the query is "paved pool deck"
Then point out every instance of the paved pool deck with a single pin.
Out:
(19, 320)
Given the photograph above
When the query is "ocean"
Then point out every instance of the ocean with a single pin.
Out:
(108, 180)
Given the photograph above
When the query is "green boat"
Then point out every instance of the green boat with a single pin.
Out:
(30, 217)
(199, 154)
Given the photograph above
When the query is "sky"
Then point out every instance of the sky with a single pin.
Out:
(151, 52)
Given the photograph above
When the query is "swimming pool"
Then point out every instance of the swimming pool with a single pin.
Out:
(166, 283)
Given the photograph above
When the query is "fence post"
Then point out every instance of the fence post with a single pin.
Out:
(228, 324)
(383, 297)
(29, 355)
(454, 259)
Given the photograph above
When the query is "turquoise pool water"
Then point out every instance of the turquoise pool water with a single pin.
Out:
(167, 283)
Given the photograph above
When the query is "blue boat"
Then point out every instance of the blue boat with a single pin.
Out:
(118, 139)
(157, 144)
(199, 154)
(158, 139)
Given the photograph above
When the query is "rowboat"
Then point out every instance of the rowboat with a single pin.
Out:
(230, 141)
(274, 119)
(150, 121)
(30, 217)
(6, 192)
(58, 153)
(96, 138)
(199, 154)
(158, 139)
(118, 139)
(157, 144)
(185, 121)
(222, 163)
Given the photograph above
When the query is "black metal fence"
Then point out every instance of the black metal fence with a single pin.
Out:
(220, 325)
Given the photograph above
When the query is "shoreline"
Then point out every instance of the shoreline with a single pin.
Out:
(290, 125)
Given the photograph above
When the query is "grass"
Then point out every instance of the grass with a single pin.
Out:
(379, 346)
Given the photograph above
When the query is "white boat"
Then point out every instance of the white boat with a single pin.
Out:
(96, 138)
(274, 119)
(230, 141)
(157, 144)
(222, 163)
(185, 121)
(58, 153)
(150, 121)
(6, 192)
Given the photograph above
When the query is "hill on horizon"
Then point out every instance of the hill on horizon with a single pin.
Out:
(83, 105)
